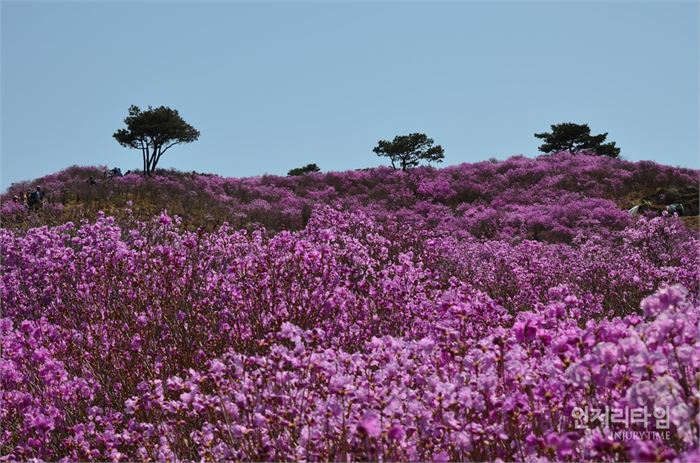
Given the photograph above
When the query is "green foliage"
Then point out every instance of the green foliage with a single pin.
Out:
(408, 150)
(307, 169)
(576, 138)
(154, 131)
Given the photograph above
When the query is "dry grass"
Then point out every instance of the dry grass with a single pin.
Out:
(692, 222)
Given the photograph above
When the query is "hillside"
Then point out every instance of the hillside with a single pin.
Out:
(550, 198)
(471, 313)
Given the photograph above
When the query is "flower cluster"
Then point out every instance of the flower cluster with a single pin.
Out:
(454, 395)
(551, 198)
(381, 333)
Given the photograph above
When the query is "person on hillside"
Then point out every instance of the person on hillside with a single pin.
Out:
(115, 172)
(640, 208)
(35, 199)
(675, 208)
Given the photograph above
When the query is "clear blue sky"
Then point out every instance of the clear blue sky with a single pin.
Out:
(273, 86)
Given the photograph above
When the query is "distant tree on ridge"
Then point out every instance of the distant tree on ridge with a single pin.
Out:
(154, 132)
(409, 150)
(307, 169)
(576, 138)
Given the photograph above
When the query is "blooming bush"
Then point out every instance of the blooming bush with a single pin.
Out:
(550, 198)
(427, 330)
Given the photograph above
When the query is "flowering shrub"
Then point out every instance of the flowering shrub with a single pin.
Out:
(550, 198)
(455, 395)
(432, 329)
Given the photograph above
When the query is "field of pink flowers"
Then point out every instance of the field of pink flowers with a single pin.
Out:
(477, 312)
(550, 198)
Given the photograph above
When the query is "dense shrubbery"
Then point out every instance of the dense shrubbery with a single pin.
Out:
(385, 333)
(551, 198)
